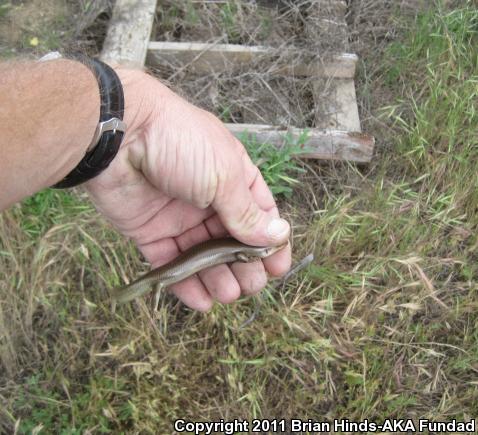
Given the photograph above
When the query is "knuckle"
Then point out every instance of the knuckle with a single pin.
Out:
(211, 190)
(249, 217)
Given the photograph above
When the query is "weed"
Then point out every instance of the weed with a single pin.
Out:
(229, 22)
(277, 165)
(225, 114)
(4, 8)
(50, 207)
(191, 14)
(97, 404)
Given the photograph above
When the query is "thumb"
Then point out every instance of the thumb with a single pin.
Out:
(245, 219)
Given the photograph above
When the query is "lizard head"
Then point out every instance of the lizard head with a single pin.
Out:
(254, 253)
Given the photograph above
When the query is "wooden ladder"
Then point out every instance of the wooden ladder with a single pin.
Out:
(128, 42)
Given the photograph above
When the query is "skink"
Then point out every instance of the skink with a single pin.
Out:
(195, 259)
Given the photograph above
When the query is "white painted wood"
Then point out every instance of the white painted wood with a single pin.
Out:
(206, 57)
(129, 32)
(321, 144)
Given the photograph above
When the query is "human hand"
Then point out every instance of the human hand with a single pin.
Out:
(180, 178)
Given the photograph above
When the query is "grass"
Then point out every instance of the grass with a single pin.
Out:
(49, 208)
(229, 22)
(383, 325)
(279, 167)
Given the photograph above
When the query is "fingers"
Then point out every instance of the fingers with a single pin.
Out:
(191, 291)
(223, 283)
(174, 218)
(279, 264)
(220, 283)
(240, 211)
(246, 210)
(218, 280)
(251, 277)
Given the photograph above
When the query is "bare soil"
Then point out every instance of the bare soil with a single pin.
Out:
(30, 28)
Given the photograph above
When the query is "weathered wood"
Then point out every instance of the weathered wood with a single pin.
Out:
(326, 28)
(129, 32)
(127, 43)
(346, 106)
(206, 58)
(323, 144)
(339, 109)
(323, 91)
(336, 105)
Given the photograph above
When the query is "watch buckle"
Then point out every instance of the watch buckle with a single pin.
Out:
(113, 124)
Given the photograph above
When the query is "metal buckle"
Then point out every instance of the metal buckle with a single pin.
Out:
(113, 124)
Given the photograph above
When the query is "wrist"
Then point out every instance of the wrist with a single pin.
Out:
(144, 101)
(84, 103)
(137, 110)
(110, 129)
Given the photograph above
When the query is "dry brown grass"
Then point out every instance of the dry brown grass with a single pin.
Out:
(382, 325)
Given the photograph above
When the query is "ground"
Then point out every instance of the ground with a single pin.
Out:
(383, 325)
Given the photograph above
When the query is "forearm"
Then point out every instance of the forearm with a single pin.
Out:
(48, 114)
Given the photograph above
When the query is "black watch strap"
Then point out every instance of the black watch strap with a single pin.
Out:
(110, 130)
